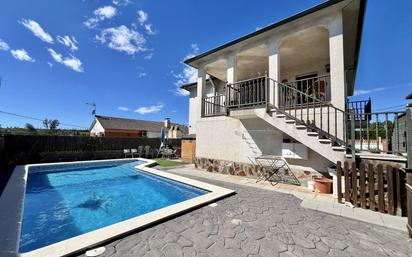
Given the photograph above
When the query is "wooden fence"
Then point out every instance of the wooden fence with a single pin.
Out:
(377, 188)
(19, 149)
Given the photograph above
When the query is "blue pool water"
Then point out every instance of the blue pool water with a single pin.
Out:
(65, 201)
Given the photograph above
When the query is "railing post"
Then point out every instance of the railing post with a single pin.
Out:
(408, 137)
(266, 93)
(352, 134)
(408, 170)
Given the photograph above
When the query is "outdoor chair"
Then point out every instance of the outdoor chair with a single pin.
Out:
(167, 153)
(147, 151)
(127, 153)
(140, 150)
(133, 151)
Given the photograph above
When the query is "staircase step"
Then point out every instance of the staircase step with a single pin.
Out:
(300, 126)
(290, 121)
(310, 133)
(280, 115)
(338, 148)
(325, 141)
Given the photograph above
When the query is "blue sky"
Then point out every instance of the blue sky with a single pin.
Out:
(55, 56)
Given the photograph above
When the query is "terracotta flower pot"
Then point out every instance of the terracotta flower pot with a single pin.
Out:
(324, 185)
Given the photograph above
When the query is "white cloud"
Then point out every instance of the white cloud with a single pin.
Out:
(122, 2)
(149, 29)
(50, 64)
(122, 108)
(105, 12)
(359, 92)
(70, 62)
(142, 74)
(91, 23)
(149, 56)
(3, 45)
(100, 14)
(123, 39)
(150, 109)
(21, 55)
(68, 41)
(37, 30)
(143, 17)
(187, 75)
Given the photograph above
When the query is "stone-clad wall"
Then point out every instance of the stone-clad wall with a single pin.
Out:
(226, 167)
(245, 169)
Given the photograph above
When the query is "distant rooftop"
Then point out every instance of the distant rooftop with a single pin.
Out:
(132, 124)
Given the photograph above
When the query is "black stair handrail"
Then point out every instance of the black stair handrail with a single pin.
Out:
(291, 100)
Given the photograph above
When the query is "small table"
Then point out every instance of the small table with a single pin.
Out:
(275, 169)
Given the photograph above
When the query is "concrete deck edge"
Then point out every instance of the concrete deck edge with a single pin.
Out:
(11, 221)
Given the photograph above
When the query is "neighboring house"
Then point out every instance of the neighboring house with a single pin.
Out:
(281, 90)
(121, 127)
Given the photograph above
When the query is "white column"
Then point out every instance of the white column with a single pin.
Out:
(231, 69)
(274, 70)
(201, 89)
(337, 73)
(337, 65)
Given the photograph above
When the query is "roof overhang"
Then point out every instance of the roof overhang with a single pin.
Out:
(231, 46)
(188, 86)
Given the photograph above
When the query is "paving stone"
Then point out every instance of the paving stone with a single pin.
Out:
(189, 252)
(231, 243)
(183, 242)
(171, 237)
(271, 248)
(301, 241)
(250, 246)
(255, 232)
(154, 253)
(267, 223)
(322, 246)
(172, 250)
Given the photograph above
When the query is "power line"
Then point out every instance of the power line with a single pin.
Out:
(38, 119)
(390, 107)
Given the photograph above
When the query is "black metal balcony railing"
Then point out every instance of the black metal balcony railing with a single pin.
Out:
(379, 132)
(247, 93)
(360, 108)
(213, 106)
(315, 87)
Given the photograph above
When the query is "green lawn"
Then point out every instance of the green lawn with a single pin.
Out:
(169, 163)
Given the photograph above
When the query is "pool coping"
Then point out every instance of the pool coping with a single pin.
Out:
(12, 204)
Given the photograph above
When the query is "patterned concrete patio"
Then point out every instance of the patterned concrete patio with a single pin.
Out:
(257, 222)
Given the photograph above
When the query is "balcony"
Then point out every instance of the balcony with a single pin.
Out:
(252, 93)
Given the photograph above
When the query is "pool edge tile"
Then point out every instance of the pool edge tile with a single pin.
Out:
(99, 236)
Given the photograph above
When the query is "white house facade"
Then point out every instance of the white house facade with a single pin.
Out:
(281, 90)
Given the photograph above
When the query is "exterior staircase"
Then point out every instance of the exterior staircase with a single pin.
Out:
(316, 123)
(303, 134)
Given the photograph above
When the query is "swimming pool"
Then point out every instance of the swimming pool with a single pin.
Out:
(66, 201)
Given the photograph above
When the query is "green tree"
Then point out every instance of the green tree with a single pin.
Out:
(31, 129)
(46, 123)
(51, 125)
